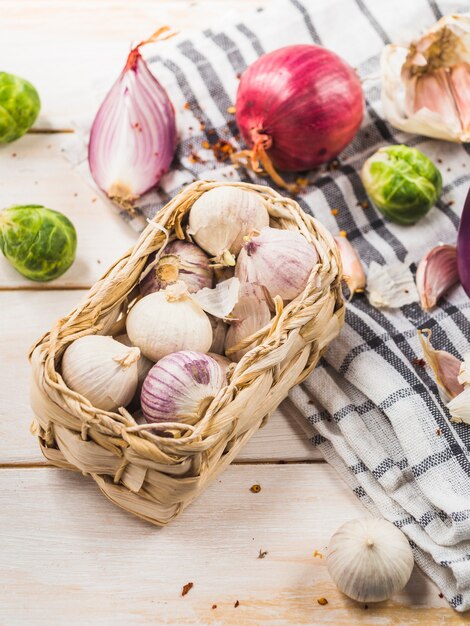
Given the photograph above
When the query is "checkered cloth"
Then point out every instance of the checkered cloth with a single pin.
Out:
(373, 411)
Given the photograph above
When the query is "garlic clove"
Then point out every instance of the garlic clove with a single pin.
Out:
(144, 365)
(251, 313)
(280, 260)
(222, 217)
(219, 301)
(102, 370)
(437, 272)
(445, 366)
(459, 407)
(464, 373)
(426, 87)
(369, 559)
(168, 321)
(353, 272)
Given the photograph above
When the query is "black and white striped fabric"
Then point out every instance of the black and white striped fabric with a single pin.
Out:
(374, 414)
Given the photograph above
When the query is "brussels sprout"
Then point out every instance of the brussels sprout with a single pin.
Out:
(40, 243)
(402, 183)
(19, 107)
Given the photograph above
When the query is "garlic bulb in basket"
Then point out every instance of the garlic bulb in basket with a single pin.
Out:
(181, 260)
(369, 559)
(168, 321)
(249, 315)
(180, 387)
(102, 370)
(222, 217)
(280, 260)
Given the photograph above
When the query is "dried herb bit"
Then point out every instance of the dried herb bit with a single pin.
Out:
(322, 601)
(262, 554)
(256, 488)
(316, 553)
(214, 606)
(187, 588)
(419, 363)
(237, 603)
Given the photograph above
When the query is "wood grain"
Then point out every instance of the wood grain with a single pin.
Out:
(24, 317)
(77, 559)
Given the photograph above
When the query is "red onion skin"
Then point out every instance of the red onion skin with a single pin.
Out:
(307, 101)
(463, 246)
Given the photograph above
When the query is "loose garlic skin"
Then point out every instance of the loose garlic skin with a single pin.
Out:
(102, 370)
(168, 321)
(369, 559)
(222, 217)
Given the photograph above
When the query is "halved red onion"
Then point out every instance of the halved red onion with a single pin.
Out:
(133, 136)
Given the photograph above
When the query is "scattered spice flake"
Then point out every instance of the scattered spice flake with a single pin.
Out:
(75, 195)
(302, 182)
(186, 106)
(332, 165)
(451, 202)
(214, 606)
(231, 110)
(256, 488)
(187, 588)
(211, 131)
(13, 154)
(343, 233)
(365, 204)
(441, 595)
(311, 402)
(262, 554)
(366, 606)
(205, 144)
(222, 150)
(419, 363)
(334, 211)
(238, 75)
(237, 603)
(322, 601)
(439, 160)
(438, 432)
(448, 169)
(316, 553)
(195, 158)
(98, 261)
(93, 199)
(202, 125)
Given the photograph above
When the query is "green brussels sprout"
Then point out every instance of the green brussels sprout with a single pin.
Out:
(402, 183)
(19, 107)
(40, 243)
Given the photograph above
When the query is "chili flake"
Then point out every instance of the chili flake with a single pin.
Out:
(334, 211)
(214, 606)
(256, 488)
(231, 110)
(187, 588)
(343, 233)
(237, 603)
(322, 601)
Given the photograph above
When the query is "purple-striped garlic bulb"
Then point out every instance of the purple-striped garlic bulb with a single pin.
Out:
(180, 387)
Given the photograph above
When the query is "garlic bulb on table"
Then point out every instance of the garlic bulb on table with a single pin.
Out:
(369, 559)
(180, 387)
(222, 217)
(181, 260)
(249, 315)
(168, 321)
(102, 370)
(280, 260)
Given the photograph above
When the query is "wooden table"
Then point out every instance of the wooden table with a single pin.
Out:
(67, 555)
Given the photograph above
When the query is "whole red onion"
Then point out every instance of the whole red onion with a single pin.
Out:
(299, 106)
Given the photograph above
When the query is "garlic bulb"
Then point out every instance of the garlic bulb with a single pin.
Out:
(437, 272)
(369, 559)
(280, 260)
(181, 260)
(249, 315)
(180, 387)
(222, 217)
(426, 87)
(102, 370)
(144, 365)
(168, 321)
(219, 330)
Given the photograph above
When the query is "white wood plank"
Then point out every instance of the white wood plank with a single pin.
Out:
(24, 317)
(63, 48)
(39, 174)
(71, 557)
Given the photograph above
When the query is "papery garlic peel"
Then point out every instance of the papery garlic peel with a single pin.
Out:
(353, 271)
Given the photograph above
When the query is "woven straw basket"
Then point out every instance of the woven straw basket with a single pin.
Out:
(154, 476)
